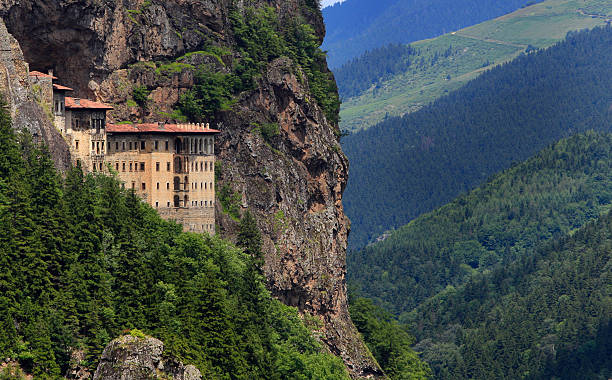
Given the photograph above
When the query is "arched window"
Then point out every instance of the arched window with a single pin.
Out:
(177, 183)
(178, 165)
(176, 201)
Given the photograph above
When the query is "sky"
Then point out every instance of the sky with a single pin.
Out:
(327, 3)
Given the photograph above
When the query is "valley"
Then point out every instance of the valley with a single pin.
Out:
(446, 63)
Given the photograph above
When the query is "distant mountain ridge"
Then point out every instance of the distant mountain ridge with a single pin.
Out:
(408, 166)
(401, 82)
(355, 26)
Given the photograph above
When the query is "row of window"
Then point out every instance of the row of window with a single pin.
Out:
(177, 203)
(195, 145)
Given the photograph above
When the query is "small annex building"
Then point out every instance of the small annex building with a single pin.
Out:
(170, 166)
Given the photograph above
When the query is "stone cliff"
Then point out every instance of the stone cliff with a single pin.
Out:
(137, 358)
(291, 179)
(26, 110)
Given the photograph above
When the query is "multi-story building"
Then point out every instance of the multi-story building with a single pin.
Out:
(171, 166)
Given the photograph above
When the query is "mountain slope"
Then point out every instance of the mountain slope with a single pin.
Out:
(247, 68)
(547, 316)
(447, 62)
(551, 194)
(81, 260)
(407, 166)
(355, 26)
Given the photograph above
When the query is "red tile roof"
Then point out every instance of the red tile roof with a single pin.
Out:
(75, 103)
(62, 88)
(39, 74)
(159, 128)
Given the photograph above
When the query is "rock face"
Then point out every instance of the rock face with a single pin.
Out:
(26, 112)
(133, 358)
(291, 180)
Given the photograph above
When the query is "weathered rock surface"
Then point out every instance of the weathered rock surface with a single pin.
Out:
(26, 112)
(133, 358)
(292, 182)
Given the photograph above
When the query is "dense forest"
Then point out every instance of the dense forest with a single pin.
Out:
(389, 341)
(546, 316)
(551, 194)
(404, 167)
(355, 26)
(373, 67)
(83, 261)
(506, 280)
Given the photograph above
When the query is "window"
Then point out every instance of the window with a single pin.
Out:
(130, 145)
(116, 166)
(167, 185)
(167, 166)
(206, 166)
(168, 204)
(204, 185)
(201, 166)
(201, 185)
(123, 164)
(142, 166)
(206, 203)
(123, 145)
(101, 166)
(130, 166)
(116, 145)
(157, 185)
(166, 145)
(76, 144)
(109, 146)
(196, 185)
(144, 186)
(133, 185)
(142, 145)
(157, 166)
(156, 145)
(156, 204)
(93, 145)
(122, 185)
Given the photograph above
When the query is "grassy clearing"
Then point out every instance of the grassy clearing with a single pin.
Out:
(445, 63)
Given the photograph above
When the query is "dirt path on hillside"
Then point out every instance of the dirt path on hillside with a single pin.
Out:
(461, 34)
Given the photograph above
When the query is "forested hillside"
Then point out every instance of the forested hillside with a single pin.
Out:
(546, 316)
(445, 63)
(81, 261)
(407, 166)
(355, 26)
(506, 280)
(549, 195)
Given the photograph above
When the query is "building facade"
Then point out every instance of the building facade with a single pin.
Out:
(170, 166)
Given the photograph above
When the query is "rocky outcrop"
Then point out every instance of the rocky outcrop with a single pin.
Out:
(26, 111)
(138, 358)
(292, 179)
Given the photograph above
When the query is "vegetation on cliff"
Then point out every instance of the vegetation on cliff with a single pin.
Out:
(426, 158)
(389, 341)
(82, 260)
(261, 38)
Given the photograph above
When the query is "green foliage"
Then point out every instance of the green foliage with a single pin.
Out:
(545, 316)
(389, 341)
(269, 130)
(141, 95)
(230, 201)
(407, 166)
(249, 238)
(81, 261)
(550, 195)
(211, 92)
